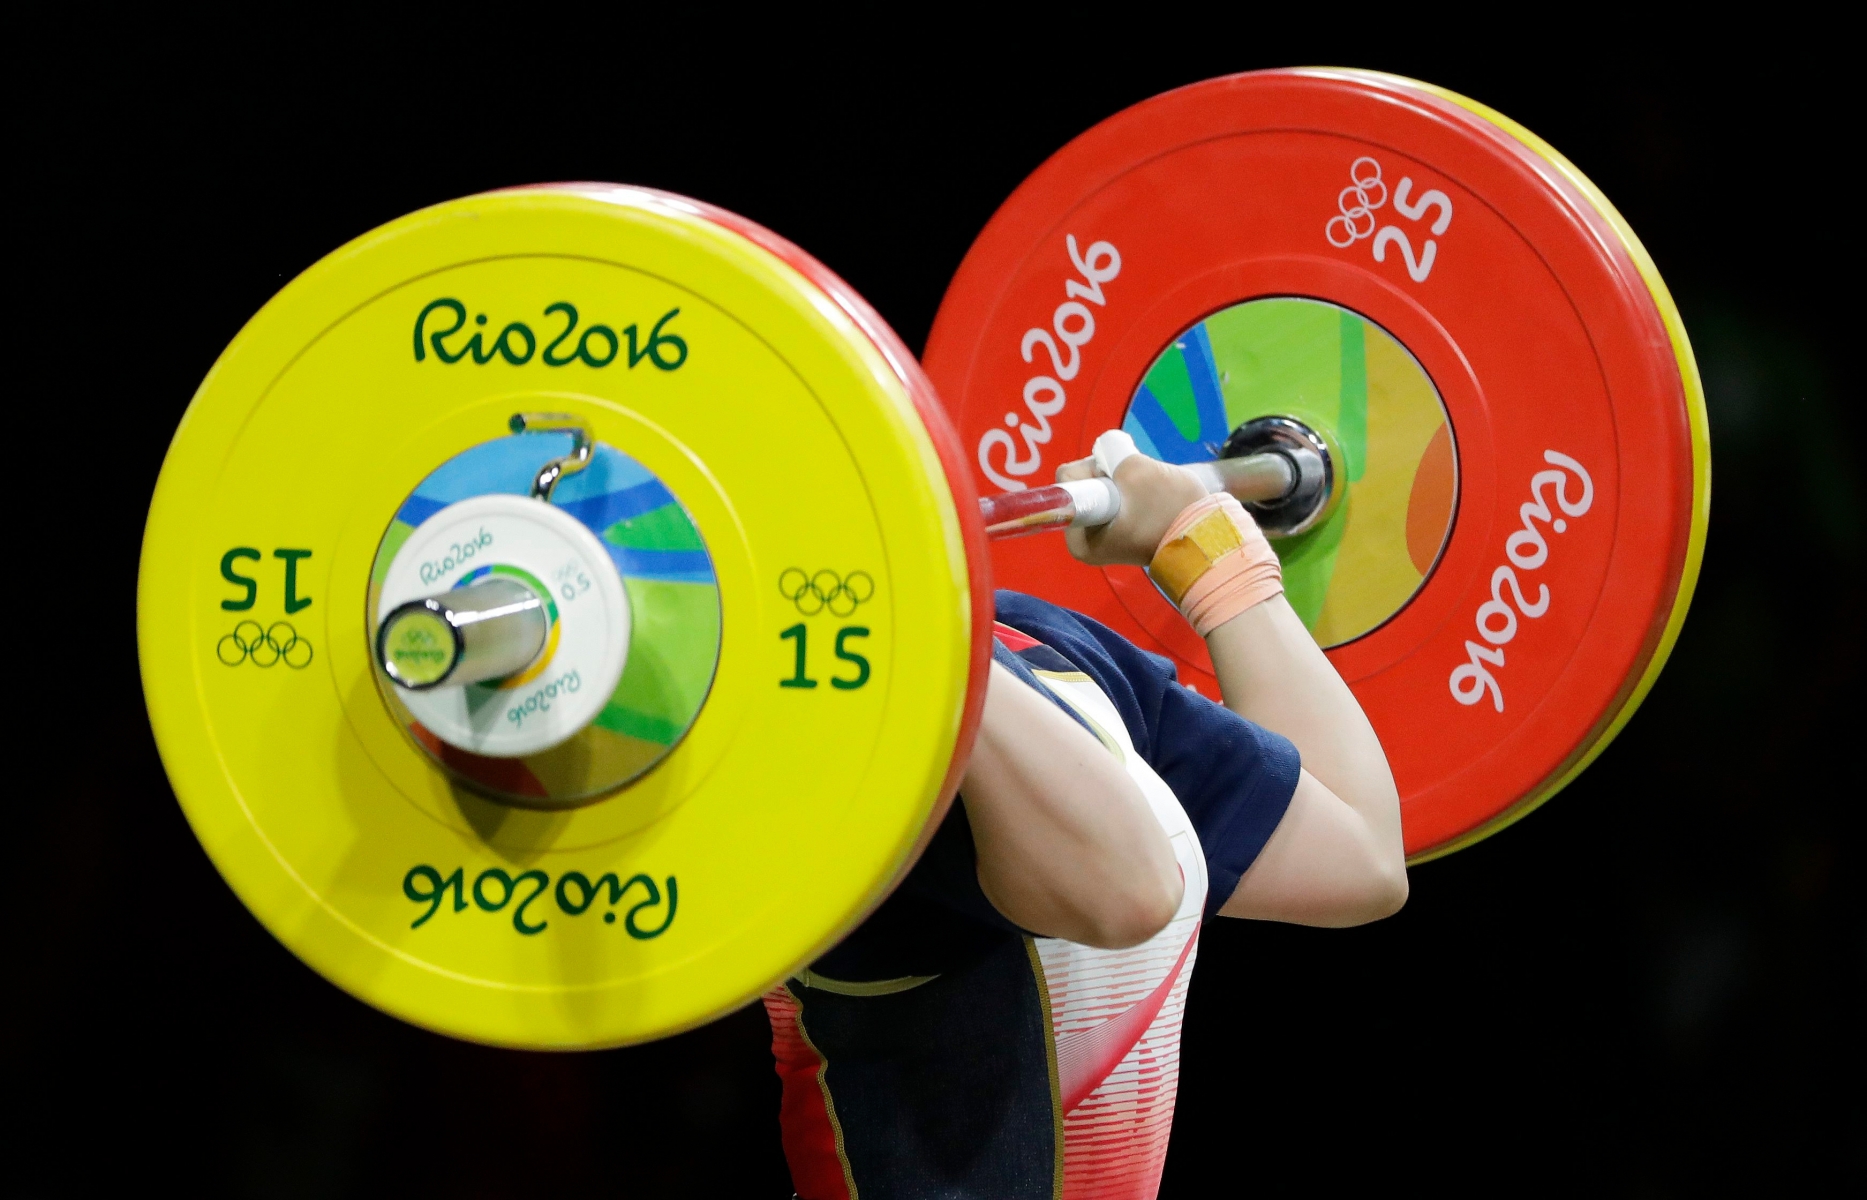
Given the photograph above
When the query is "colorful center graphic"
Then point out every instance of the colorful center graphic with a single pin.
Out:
(1346, 377)
(675, 645)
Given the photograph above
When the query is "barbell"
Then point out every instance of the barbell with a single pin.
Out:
(565, 612)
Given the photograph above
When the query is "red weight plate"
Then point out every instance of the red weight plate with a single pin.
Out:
(1571, 423)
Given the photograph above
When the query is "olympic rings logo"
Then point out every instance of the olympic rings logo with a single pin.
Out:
(1357, 203)
(826, 590)
(264, 647)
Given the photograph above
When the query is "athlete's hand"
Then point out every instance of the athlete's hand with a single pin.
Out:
(1153, 493)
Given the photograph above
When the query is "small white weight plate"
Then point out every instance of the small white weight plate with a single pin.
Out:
(585, 650)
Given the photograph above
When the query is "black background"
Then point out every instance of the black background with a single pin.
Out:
(1654, 986)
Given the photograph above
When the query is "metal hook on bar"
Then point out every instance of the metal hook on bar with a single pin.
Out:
(553, 472)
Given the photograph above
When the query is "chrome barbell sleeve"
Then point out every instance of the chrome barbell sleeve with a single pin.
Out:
(487, 630)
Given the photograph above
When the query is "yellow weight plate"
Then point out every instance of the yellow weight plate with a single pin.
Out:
(791, 438)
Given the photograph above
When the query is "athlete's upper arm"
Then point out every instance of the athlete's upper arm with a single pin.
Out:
(1321, 866)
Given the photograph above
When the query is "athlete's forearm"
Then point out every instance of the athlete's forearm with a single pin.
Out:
(1067, 845)
(1337, 857)
(1273, 673)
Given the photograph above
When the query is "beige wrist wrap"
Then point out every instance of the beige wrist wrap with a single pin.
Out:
(1214, 563)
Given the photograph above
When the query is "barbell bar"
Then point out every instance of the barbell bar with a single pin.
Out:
(1287, 488)
(497, 627)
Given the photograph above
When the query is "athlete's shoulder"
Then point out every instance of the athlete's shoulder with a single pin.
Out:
(1028, 613)
(1233, 778)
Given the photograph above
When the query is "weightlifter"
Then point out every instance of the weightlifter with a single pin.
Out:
(1007, 1023)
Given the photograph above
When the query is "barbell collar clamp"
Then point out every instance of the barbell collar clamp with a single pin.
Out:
(553, 472)
(487, 630)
